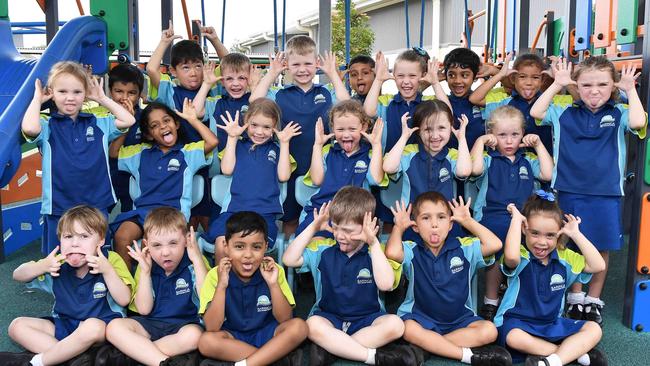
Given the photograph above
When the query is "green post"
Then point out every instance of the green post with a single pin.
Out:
(4, 9)
(627, 21)
(558, 36)
(116, 15)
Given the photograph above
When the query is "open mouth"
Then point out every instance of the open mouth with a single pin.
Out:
(458, 90)
(75, 259)
(247, 267)
(361, 88)
(347, 145)
(168, 137)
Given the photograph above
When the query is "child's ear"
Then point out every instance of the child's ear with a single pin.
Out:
(415, 228)
(172, 70)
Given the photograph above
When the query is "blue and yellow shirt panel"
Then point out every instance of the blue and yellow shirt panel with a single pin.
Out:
(217, 107)
(474, 113)
(391, 108)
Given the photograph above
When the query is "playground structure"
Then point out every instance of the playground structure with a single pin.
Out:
(614, 28)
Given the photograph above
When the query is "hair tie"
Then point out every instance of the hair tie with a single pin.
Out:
(549, 196)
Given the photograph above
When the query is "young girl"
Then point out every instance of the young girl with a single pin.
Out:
(596, 124)
(74, 144)
(538, 274)
(348, 161)
(506, 174)
(163, 168)
(257, 166)
(429, 165)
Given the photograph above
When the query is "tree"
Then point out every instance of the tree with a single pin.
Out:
(362, 36)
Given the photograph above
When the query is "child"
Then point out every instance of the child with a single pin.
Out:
(348, 319)
(74, 144)
(257, 166)
(90, 286)
(240, 328)
(303, 102)
(505, 174)
(163, 168)
(529, 320)
(168, 279)
(346, 161)
(596, 123)
(361, 73)
(439, 270)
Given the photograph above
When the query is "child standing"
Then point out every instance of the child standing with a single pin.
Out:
(529, 318)
(596, 123)
(74, 144)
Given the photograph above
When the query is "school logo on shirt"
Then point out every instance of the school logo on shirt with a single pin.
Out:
(243, 109)
(523, 172)
(263, 304)
(319, 98)
(607, 121)
(90, 134)
(173, 165)
(443, 175)
(476, 112)
(182, 287)
(138, 134)
(360, 167)
(99, 290)
(364, 277)
(456, 265)
(272, 156)
(557, 282)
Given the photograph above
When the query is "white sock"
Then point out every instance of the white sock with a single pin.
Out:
(494, 302)
(584, 360)
(553, 360)
(467, 355)
(37, 360)
(575, 297)
(594, 300)
(241, 363)
(370, 360)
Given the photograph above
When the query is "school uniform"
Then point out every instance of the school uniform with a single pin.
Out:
(475, 127)
(121, 179)
(248, 312)
(391, 108)
(217, 107)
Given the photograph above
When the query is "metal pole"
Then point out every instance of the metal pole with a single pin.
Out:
(134, 39)
(284, 18)
(51, 19)
(205, 41)
(223, 19)
(347, 30)
(324, 30)
(275, 26)
(166, 14)
(422, 11)
(468, 34)
(406, 17)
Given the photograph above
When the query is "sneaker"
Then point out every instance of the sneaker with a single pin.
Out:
(574, 311)
(186, 359)
(292, 359)
(394, 354)
(209, 362)
(87, 358)
(597, 357)
(319, 356)
(488, 312)
(593, 312)
(535, 360)
(420, 354)
(16, 358)
(109, 355)
(491, 356)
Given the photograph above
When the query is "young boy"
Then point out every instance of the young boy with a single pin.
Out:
(439, 271)
(246, 302)
(169, 276)
(348, 319)
(302, 102)
(91, 286)
(361, 73)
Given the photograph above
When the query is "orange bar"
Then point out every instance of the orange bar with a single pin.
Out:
(603, 26)
(187, 20)
(637, 62)
(501, 32)
(81, 8)
(643, 259)
(41, 3)
(539, 32)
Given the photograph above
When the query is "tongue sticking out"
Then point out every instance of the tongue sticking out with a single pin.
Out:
(75, 259)
(169, 138)
(347, 146)
(434, 238)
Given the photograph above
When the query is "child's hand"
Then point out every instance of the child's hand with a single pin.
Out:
(96, 90)
(322, 217)
(128, 105)
(369, 231)
(462, 127)
(402, 216)
(489, 140)
(168, 35)
(193, 250)
(52, 263)
(381, 68)
(374, 138)
(460, 210)
(231, 126)
(269, 271)
(487, 70)
(530, 140)
(40, 93)
(291, 130)
(278, 63)
(142, 256)
(320, 138)
(550, 72)
(406, 129)
(328, 64)
(571, 226)
(505, 69)
(224, 273)
(562, 73)
(628, 78)
(431, 76)
(208, 32)
(515, 214)
(209, 76)
(189, 112)
(255, 75)
(98, 263)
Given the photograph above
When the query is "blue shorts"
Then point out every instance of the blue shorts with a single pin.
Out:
(206, 206)
(218, 228)
(50, 240)
(350, 325)
(158, 329)
(601, 218)
(65, 327)
(256, 337)
(441, 328)
(382, 212)
(290, 206)
(306, 218)
(136, 216)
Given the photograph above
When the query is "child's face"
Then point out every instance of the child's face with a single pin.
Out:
(407, 77)
(189, 74)
(79, 244)
(121, 92)
(343, 233)
(246, 253)
(235, 82)
(541, 235)
(595, 88)
(361, 78)
(166, 248)
(433, 223)
(163, 129)
(435, 133)
(460, 80)
(260, 128)
(347, 131)
(528, 81)
(509, 134)
(68, 94)
(302, 68)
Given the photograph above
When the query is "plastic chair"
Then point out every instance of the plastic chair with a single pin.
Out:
(303, 191)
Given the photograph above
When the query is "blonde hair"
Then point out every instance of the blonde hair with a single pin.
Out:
(90, 218)
(350, 106)
(300, 45)
(350, 204)
(505, 112)
(69, 68)
(235, 61)
(266, 107)
(164, 219)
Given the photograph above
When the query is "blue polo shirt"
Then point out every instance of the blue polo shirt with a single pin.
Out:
(536, 291)
(589, 145)
(476, 125)
(75, 161)
(504, 182)
(391, 108)
(255, 185)
(248, 304)
(175, 297)
(438, 285)
(164, 179)
(217, 107)
(425, 173)
(82, 298)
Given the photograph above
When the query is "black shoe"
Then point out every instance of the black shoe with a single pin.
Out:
(87, 358)
(186, 359)
(535, 360)
(109, 355)
(394, 354)
(488, 311)
(597, 357)
(209, 362)
(574, 311)
(16, 358)
(593, 312)
(318, 356)
(491, 356)
(292, 359)
(420, 354)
